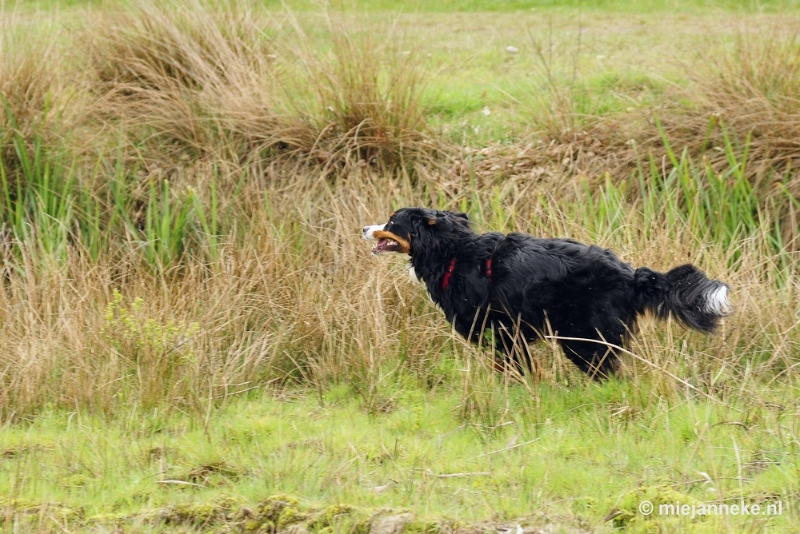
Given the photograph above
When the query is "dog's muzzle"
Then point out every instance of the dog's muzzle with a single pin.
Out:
(369, 231)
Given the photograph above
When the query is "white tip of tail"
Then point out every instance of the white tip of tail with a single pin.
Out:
(717, 301)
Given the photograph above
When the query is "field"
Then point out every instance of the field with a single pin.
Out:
(195, 338)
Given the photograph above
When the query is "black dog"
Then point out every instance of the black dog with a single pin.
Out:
(522, 287)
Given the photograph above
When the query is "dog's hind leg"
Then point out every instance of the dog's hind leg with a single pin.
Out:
(594, 358)
(509, 350)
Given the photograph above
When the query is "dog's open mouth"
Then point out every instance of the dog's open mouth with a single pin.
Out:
(386, 241)
(385, 244)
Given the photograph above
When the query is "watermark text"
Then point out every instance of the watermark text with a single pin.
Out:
(704, 509)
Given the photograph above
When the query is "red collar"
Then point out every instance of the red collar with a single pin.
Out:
(448, 273)
(452, 267)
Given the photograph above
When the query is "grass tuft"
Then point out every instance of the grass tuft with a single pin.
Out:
(31, 97)
(367, 94)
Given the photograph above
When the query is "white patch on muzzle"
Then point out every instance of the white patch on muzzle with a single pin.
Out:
(369, 231)
(717, 301)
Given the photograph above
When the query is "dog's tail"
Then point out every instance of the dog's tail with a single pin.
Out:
(685, 293)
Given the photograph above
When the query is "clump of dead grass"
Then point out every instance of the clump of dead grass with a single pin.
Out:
(747, 90)
(187, 82)
(741, 92)
(221, 82)
(294, 300)
(31, 98)
(367, 95)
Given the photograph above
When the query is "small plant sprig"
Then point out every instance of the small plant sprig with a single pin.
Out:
(158, 351)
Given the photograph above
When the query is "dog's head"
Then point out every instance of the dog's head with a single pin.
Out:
(408, 229)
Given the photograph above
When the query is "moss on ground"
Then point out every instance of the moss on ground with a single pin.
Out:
(277, 514)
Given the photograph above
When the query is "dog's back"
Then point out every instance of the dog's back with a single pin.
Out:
(567, 289)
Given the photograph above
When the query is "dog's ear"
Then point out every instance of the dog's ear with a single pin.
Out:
(440, 220)
(447, 220)
(440, 214)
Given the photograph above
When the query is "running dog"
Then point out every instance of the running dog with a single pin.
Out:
(521, 287)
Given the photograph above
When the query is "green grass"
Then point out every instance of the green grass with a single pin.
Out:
(449, 6)
(571, 455)
(592, 5)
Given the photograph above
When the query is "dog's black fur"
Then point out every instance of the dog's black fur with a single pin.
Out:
(519, 285)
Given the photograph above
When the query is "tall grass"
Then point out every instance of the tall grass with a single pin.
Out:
(158, 320)
(732, 117)
(202, 239)
(223, 82)
(749, 90)
(32, 97)
(725, 207)
(366, 98)
(186, 82)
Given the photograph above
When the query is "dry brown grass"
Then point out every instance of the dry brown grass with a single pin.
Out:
(32, 95)
(187, 84)
(297, 299)
(268, 311)
(306, 143)
(745, 88)
(741, 92)
(366, 98)
(224, 83)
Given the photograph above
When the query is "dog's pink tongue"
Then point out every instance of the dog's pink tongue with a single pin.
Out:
(380, 246)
